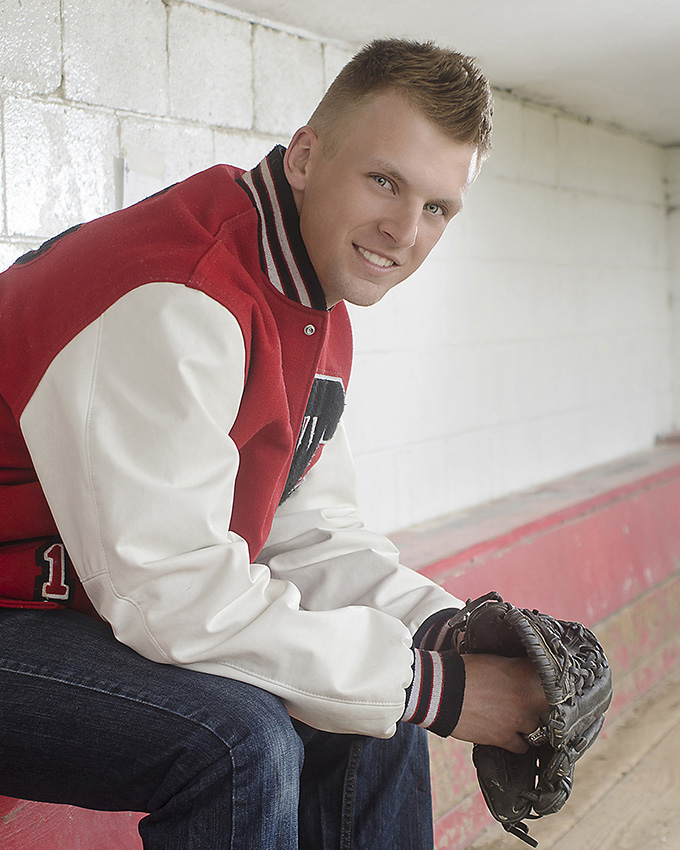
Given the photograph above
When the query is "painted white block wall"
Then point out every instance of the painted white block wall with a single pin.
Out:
(673, 176)
(176, 83)
(538, 340)
(115, 54)
(30, 64)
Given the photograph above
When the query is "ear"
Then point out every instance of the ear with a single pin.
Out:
(297, 157)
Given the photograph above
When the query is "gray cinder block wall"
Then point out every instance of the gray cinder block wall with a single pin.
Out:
(90, 86)
(542, 336)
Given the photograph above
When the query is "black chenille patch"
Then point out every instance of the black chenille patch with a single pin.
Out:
(31, 255)
(324, 409)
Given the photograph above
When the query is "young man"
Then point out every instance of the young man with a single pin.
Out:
(175, 474)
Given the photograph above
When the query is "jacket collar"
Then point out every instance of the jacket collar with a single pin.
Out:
(283, 255)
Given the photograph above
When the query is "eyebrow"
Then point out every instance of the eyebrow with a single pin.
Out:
(390, 170)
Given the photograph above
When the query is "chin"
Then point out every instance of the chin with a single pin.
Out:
(364, 300)
(366, 296)
(361, 293)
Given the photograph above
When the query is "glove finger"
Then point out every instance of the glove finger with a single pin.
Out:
(566, 755)
(506, 779)
(556, 779)
(483, 628)
(574, 717)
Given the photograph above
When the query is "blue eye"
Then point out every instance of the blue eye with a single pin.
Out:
(382, 181)
(435, 209)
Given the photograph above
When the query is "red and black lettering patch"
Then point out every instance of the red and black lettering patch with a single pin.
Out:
(324, 408)
(55, 582)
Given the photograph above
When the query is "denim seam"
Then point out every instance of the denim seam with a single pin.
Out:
(348, 796)
(95, 689)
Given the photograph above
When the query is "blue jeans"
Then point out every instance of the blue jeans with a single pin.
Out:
(216, 763)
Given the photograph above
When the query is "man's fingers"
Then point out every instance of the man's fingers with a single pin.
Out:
(502, 702)
(517, 744)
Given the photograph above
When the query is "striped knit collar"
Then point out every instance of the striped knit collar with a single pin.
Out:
(283, 255)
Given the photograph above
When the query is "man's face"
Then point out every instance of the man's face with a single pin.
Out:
(372, 211)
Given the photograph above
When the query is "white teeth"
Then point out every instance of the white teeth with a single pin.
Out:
(376, 259)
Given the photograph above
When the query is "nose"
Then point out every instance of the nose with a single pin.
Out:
(401, 226)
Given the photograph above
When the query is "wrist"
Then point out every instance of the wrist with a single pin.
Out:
(434, 699)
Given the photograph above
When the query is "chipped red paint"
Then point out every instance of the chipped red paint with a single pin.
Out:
(453, 774)
(601, 547)
(583, 561)
(42, 826)
(459, 827)
(601, 554)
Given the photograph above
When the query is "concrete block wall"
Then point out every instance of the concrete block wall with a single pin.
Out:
(163, 86)
(673, 178)
(542, 337)
(537, 340)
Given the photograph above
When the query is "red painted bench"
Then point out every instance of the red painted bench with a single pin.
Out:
(41, 826)
(602, 547)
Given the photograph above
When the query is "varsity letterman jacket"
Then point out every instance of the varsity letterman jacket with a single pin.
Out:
(171, 453)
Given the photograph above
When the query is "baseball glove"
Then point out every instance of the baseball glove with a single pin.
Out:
(577, 683)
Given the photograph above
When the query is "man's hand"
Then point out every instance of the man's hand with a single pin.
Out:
(512, 658)
(503, 701)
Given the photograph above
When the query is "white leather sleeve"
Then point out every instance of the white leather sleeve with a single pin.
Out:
(318, 542)
(129, 434)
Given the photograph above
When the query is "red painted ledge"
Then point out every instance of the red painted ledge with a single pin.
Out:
(27, 825)
(580, 548)
(584, 548)
(601, 547)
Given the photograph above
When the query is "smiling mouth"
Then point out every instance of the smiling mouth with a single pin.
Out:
(375, 259)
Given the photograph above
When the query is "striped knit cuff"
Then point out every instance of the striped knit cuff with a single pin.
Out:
(435, 632)
(435, 698)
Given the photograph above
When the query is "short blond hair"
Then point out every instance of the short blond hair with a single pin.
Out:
(445, 86)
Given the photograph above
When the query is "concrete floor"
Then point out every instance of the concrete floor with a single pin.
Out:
(627, 788)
